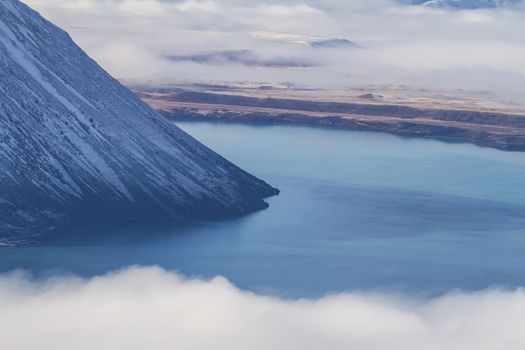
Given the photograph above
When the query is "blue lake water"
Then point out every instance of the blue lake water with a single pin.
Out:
(358, 211)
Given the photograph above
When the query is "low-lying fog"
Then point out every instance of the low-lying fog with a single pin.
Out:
(327, 44)
(150, 308)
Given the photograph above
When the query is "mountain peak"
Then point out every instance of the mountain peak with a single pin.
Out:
(463, 4)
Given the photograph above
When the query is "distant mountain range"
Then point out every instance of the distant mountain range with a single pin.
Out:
(251, 58)
(463, 4)
(79, 151)
(242, 57)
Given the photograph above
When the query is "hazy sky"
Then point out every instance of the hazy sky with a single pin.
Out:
(472, 49)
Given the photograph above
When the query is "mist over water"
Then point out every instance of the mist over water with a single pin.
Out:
(357, 212)
(140, 308)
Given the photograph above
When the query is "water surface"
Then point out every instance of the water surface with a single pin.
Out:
(358, 211)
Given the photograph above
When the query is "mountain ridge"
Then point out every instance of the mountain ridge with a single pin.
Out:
(79, 150)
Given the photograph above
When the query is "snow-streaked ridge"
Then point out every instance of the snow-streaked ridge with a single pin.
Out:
(78, 149)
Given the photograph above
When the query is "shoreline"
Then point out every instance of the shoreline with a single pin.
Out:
(491, 129)
(333, 124)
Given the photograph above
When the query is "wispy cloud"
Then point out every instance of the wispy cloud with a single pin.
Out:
(149, 308)
(196, 5)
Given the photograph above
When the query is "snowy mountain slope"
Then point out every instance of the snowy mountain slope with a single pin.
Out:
(463, 4)
(79, 150)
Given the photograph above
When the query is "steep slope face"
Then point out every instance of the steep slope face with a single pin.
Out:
(79, 150)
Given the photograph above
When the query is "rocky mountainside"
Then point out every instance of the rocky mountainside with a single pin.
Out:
(78, 150)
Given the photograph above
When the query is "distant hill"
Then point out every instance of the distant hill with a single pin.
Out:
(334, 43)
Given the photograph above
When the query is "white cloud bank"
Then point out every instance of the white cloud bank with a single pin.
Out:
(149, 308)
(481, 50)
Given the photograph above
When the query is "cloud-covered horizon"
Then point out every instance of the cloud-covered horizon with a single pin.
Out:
(480, 50)
(150, 308)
